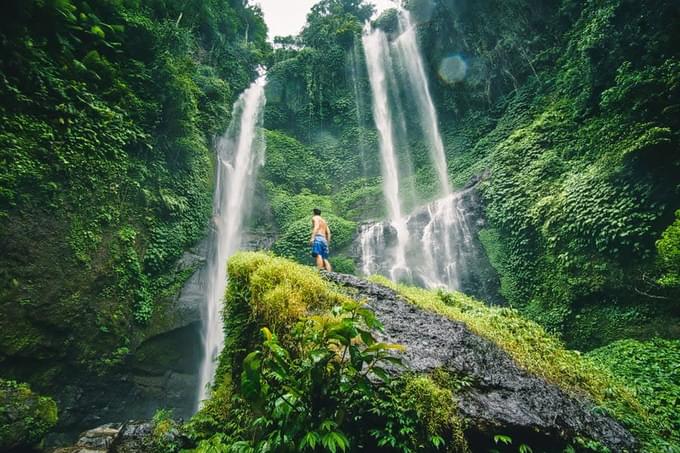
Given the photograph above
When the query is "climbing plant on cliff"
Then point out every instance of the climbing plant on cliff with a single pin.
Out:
(107, 115)
(571, 108)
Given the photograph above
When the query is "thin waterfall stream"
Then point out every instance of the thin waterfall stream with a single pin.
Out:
(409, 55)
(240, 151)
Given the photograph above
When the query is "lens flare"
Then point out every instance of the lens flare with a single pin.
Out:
(453, 69)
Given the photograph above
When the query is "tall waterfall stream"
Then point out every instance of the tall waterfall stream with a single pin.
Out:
(240, 151)
(432, 246)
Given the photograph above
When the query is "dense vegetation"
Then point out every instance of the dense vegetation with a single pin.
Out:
(107, 113)
(575, 118)
(566, 109)
(294, 391)
(25, 417)
(281, 386)
(569, 107)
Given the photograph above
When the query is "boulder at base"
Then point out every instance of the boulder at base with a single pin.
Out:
(502, 398)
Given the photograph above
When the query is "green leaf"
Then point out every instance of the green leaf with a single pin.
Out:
(335, 440)
(311, 439)
(380, 373)
(267, 333)
(500, 438)
(97, 31)
(366, 337)
(251, 376)
(327, 425)
(385, 347)
(437, 441)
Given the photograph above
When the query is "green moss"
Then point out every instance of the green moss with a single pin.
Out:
(527, 342)
(265, 290)
(280, 292)
(25, 417)
(295, 302)
(436, 407)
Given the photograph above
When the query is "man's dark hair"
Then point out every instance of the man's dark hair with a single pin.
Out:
(317, 211)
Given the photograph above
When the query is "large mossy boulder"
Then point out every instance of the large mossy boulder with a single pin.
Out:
(25, 417)
(472, 377)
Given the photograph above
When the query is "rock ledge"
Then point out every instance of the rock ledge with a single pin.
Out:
(503, 398)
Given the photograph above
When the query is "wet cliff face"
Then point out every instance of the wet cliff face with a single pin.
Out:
(443, 249)
(160, 371)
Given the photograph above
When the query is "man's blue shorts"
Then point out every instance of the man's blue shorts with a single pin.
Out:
(320, 247)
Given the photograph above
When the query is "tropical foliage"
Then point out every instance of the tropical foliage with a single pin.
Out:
(107, 113)
(565, 110)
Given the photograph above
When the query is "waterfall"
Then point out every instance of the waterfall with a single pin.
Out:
(444, 251)
(409, 55)
(377, 52)
(433, 246)
(240, 151)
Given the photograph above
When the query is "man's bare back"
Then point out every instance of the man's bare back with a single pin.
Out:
(320, 240)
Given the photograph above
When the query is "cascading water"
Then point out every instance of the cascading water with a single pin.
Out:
(240, 151)
(440, 254)
(446, 229)
(376, 50)
(410, 57)
(434, 244)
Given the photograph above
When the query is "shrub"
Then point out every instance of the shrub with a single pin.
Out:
(650, 368)
(294, 240)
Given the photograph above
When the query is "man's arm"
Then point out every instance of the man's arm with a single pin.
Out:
(328, 234)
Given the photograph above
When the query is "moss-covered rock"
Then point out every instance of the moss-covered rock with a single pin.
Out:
(25, 417)
(473, 371)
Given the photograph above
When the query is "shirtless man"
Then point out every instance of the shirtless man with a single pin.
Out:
(321, 237)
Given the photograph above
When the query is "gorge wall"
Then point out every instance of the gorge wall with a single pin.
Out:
(570, 109)
(108, 114)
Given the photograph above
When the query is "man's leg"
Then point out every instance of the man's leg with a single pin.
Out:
(327, 265)
(319, 261)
